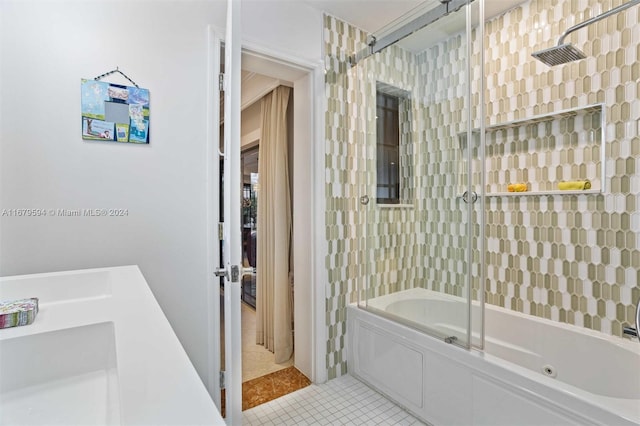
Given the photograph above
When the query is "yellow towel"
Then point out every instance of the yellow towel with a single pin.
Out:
(517, 187)
(574, 185)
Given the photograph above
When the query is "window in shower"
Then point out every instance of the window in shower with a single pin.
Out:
(393, 150)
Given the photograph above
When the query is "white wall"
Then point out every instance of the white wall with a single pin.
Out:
(46, 48)
(303, 227)
(290, 26)
(250, 126)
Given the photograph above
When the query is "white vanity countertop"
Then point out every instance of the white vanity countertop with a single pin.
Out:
(156, 384)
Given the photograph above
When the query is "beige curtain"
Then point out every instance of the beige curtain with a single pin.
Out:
(273, 308)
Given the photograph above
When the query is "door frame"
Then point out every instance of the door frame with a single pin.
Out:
(317, 244)
(316, 241)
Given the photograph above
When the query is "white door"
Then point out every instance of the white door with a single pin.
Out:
(231, 268)
(232, 246)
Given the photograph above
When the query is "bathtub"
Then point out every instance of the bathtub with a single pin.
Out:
(524, 376)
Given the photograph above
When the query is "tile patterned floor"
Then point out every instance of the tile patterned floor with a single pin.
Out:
(342, 401)
(272, 386)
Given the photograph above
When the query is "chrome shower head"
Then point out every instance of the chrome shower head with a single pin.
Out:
(564, 52)
(558, 55)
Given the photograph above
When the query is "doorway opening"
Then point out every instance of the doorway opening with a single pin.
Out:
(264, 379)
(250, 182)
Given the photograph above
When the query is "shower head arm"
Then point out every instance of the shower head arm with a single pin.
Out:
(597, 18)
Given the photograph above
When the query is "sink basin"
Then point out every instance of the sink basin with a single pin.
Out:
(100, 352)
(43, 374)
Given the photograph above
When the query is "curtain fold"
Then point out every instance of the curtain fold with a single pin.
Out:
(273, 307)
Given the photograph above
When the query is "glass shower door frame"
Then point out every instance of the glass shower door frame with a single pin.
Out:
(474, 334)
(476, 321)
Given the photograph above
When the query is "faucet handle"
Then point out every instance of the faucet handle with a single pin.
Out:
(630, 331)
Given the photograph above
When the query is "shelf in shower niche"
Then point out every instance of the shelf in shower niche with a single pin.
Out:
(595, 108)
(562, 146)
(554, 192)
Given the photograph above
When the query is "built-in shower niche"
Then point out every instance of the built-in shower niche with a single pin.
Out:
(535, 155)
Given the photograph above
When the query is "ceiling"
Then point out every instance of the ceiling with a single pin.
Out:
(369, 15)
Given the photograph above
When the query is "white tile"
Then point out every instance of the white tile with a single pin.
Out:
(344, 400)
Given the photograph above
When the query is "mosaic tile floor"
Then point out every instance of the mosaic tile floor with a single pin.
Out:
(342, 401)
(272, 386)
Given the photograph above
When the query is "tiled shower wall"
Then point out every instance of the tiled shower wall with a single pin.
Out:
(442, 95)
(344, 226)
(417, 245)
(393, 262)
(579, 258)
(390, 248)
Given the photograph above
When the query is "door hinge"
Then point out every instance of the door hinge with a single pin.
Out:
(221, 379)
(220, 231)
(221, 82)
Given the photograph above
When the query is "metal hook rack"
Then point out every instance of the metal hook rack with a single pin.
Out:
(117, 70)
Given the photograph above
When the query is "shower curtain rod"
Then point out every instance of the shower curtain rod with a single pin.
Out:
(375, 45)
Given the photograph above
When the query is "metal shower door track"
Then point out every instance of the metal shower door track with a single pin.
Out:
(376, 45)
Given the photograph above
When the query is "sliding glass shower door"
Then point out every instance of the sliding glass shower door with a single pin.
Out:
(418, 99)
